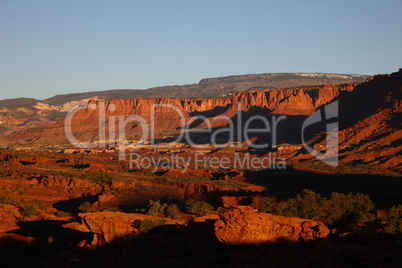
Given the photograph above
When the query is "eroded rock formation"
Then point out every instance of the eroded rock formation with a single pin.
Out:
(245, 226)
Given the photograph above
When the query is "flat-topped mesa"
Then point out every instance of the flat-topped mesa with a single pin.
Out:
(292, 101)
(295, 78)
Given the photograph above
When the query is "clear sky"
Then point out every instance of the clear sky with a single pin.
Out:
(54, 47)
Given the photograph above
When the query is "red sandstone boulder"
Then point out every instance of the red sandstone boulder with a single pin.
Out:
(111, 228)
(246, 226)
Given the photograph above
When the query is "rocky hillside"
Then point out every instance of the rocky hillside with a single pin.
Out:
(22, 113)
(295, 102)
(207, 87)
(370, 127)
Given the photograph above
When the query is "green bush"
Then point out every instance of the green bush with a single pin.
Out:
(86, 207)
(339, 210)
(394, 225)
(155, 207)
(349, 209)
(198, 207)
(30, 209)
(267, 205)
(172, 211)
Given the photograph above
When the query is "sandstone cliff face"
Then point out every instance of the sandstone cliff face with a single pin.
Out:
(169, 113)
(293, 101)
(165, 117)
(369, 119)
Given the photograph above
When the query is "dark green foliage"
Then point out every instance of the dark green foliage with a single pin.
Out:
(198, 207)
(86, 207)
(172, 211)
(349, 209)
(156, 207)
(338, 210)
(29, 209)
(394, 225)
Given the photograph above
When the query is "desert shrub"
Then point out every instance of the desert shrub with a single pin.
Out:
(5, 199)
(172, 211)
(30, 209)
(38, 202)
(267, 205)
(156, 207)
(198, 207)
(394, 225)
(338, 210)
(100, 179)
(146, 224)
(222, 210)
(86, 207)
(60, 214)
(344, 209)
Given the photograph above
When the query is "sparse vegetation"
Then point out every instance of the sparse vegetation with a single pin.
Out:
(394, 225)
(101, 179)
(338, 210)
(198, 207)
(5, 199)
(156, 207)
(30, 209)
(60, 214)
(86, 207)
(173, 211)
(146, 225)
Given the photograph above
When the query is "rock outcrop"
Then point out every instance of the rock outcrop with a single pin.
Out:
(245, 226)
(73, 187)
(111, 228)
(9, 216)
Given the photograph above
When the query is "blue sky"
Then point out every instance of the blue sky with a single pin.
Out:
(54, 47)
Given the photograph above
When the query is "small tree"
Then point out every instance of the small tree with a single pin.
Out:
(267, 205)
(172, 211)
(394, 225)
(339, 210)
(155, 207)
(198, 207)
